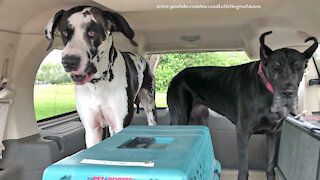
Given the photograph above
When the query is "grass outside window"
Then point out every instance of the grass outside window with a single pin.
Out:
(54, 93)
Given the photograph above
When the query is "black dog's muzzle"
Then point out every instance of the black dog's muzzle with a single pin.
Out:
(288, 93)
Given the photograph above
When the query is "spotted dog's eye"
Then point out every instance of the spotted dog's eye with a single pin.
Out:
(91, 33)
(65, 33)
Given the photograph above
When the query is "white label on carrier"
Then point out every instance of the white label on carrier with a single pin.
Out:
(117, 163)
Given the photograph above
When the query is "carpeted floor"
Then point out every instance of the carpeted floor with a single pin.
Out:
(231, 174)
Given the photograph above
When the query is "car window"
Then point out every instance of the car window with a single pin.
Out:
(53, 90)
(316, 58)
(171, 64)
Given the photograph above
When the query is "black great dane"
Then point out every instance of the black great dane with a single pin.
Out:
(107, 80)
(256, 97)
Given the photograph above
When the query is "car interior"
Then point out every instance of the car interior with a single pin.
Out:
(160, 26)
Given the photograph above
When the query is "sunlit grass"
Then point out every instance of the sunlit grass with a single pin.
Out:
(161, 99)
(52, 100)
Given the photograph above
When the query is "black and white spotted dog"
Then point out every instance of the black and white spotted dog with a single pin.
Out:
(108, 81)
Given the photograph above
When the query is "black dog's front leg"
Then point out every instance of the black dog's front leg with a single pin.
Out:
(272, 142)
(243, 141)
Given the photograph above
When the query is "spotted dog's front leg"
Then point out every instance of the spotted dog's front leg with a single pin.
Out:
(90, 116)
(147, 100)
(114, 118)
(91, 122)
(111, 131)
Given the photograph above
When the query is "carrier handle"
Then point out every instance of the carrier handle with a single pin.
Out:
(66, 177)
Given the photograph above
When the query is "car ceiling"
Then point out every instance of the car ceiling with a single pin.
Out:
(160, 30)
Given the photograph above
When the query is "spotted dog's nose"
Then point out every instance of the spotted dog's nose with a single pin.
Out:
(70, 63)
(288, 93)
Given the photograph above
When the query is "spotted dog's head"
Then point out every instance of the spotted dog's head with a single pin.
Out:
(83, 29)
(284, 70)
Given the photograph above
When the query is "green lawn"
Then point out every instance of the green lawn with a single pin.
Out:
(161, 99)
(52, 100)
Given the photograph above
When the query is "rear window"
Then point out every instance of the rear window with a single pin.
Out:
(172, 64)
(316, 58)
(53, 90)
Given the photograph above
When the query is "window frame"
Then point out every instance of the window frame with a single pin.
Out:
(57, 116)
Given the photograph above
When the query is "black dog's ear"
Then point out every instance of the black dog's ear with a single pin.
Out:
(265, 51)
(309, 52)
(117, 23)
(51, 27)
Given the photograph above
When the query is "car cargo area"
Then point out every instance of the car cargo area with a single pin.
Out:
(30, 143)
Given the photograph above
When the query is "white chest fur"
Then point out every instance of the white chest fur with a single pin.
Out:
(106, 101)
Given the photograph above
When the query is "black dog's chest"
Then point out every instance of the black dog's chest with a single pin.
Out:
(268, 124)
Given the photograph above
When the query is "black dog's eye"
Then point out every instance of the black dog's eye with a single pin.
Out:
(276, 68)
(91, 33)
(298, 67)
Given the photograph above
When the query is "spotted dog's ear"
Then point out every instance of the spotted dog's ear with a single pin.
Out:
(309, 52)
(51, 27)
(115, 22)
(265, 51)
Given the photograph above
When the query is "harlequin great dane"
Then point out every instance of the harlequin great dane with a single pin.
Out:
(256, 97)
(107, 80)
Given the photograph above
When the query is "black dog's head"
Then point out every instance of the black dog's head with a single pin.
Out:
(83, 29)
(284, 70)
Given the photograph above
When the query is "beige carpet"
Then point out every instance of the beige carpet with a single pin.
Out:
(232, 175)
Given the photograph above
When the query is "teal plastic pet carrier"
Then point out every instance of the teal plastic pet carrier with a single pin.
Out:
(144, 153)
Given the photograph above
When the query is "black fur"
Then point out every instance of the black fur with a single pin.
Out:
(130, 90)
(147, 78)
(56, 20)
(97, 39)
(113, 54)
(121, 25)
(148, 84)
(133, 78)
(239, 93)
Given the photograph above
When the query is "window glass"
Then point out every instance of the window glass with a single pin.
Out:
(316, 57)
(53, 90)
(172, 64)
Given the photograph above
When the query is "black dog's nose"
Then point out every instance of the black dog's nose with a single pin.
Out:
(70, 63)
(287, 93)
